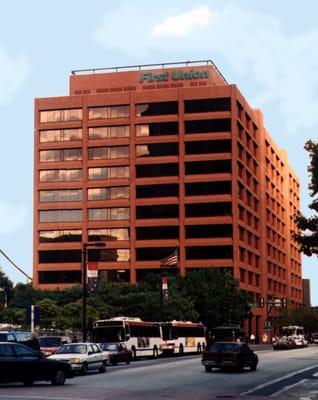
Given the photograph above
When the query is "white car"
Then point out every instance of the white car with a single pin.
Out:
(82, 357)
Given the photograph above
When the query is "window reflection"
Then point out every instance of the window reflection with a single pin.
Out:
(60, 215)
(108, 234)
(109, 255)
(60, 135)
(100, 153)
(60, 236)
(61, 195)
(60, 155)
(108, 172)
(157, 129)
(118, 192)
(108, 214)
(107, 132)
(74, 114)
(121, 111)
(56, 175)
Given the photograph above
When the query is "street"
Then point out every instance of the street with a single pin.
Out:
(278, 374)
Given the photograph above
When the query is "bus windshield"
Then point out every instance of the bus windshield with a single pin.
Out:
(109, 334)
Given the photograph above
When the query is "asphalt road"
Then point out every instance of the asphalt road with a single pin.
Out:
(280, 374)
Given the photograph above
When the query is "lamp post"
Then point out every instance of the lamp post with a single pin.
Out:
(84, 284)
(5, 297)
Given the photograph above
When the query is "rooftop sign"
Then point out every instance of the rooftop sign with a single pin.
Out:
(175, 76)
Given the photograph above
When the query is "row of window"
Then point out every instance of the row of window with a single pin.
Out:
(144, 150)
(142, 233)
(142, 212)
(142, 171)
(146, 109)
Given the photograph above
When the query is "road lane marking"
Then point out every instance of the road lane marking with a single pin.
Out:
(287, 388)
(263, 385)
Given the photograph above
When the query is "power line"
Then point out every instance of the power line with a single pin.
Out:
(15, 265)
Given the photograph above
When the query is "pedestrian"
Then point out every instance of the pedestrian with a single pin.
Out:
(252, 338)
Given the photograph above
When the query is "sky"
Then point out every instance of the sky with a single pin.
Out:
(267, 48)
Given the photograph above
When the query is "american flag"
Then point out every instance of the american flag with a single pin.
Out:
(170, 260)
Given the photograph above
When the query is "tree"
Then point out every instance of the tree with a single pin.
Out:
(7, 287)
(298, 316)
(308, 237)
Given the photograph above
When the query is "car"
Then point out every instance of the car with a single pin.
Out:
(314, 338)
(22, 337)
(82, 357)
(116, 352)
(19, 363)
(236, 355)
(284, 343)
(50, 344)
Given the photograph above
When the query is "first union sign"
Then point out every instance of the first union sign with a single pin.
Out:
(175, 76)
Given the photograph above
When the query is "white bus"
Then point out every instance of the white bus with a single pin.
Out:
(142, 338)
(296, 333)
(183, 337)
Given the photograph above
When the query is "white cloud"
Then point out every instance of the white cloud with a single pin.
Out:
(13, 72)
(183, 24)
(11, 218)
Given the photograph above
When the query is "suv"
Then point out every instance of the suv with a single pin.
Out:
(26, 338)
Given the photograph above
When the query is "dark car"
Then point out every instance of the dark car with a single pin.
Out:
(284, 343)
(26, 338)
(19, 363)
(229, 354)
(116, 352)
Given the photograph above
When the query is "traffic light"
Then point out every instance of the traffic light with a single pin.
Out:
(284, 302)
(261, 302)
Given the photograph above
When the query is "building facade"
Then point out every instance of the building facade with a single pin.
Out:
(150, 159)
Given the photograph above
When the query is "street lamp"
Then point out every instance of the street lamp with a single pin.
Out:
(5, 297)
(84, 284)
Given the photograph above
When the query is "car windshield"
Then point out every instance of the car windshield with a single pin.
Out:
(225, 347)
(73, 348)
(108, 346)
(49, 341)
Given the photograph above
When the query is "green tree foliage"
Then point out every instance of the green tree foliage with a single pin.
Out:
(49, 313)
(7, 286)
(298, 316)
(308, 237)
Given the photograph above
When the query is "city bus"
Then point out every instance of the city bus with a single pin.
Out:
(142, 338)
(296, 333)
(182, 337)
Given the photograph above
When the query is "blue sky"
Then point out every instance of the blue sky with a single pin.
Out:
(269, 49)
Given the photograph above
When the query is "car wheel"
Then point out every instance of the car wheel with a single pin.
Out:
(102, 368)
(28, 382)
(59, 378)
(128, 361)
(84, 369)
(208, 368)
(114, 362)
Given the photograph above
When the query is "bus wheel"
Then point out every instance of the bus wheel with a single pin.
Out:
(133, 354)
(155, 352)
(199, 351)
(180, 349)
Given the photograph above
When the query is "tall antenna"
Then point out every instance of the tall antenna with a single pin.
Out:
(15, 265)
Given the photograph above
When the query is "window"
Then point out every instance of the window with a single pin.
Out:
(103, 153)
(208, 146)
(207, 188)
(157, 232)
(61, 195)
(108, 255)
(47, 277)
(157, 150)
(74, 114)
(153, 253)
(60, 155)
(208, 125)
(208, 252)
(108, 132)
(60, 215)
(208, 231)
(60, 135)
(208, 167)
(60, 175)
(60, 236)
(208, 209)
(161, 211)
(153, 170)
(121, 111)
(59, 256)
(104, 235)
(148, 191)
(157, 129)
(117, 192)
(207, 105)
(108, 172)
(163, 108)
(108, 214)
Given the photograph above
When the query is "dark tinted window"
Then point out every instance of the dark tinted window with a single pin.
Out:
(208, 252)
(207, 188)
(208, 125)
(208, 146)
(109, 255)
(59, 256)
(164, 108)
(207, 105)
(147, 191)
(153, 253)
(153, 170)
(157, 129)
(157, 232)
(209, 231)
(60, 236)
(228, 347)
(60, 277)
(157, 150)
(208, 167)
(6, 351)
(208, 209)
(163, 211)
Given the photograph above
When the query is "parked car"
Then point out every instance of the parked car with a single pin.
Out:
(284, 343)
(26, 338)
(229, 354)
(50, 344)
(116, 352)
(299, 340)
(82, 357)
(314, 338)
(19, 363)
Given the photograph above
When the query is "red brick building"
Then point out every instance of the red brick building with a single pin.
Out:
(155, 158)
